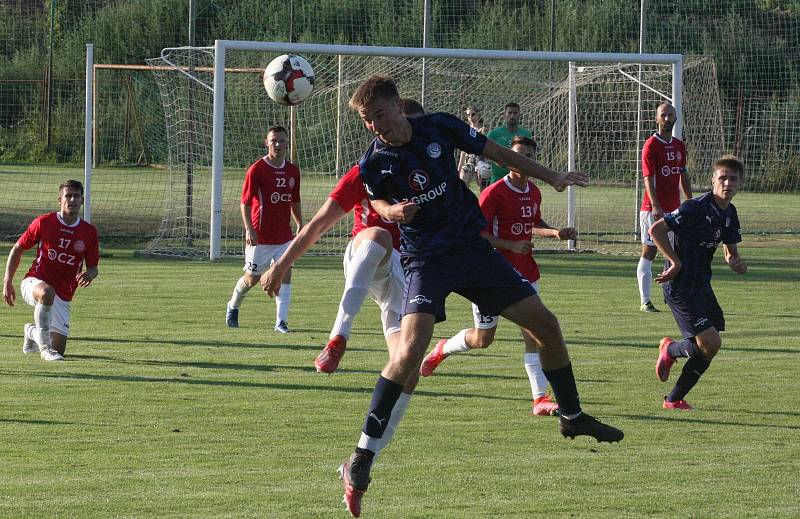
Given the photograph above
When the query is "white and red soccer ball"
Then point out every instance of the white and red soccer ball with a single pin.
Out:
(289, 79)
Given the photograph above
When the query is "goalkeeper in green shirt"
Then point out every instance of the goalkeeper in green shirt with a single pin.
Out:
(503, 135)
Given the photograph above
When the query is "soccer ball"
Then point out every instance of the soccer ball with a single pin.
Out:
(289, 79)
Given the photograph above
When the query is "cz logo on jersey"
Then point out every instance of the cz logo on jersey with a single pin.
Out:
(280, 197)
(61, 257)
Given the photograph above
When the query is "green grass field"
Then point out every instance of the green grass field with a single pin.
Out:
(129, 205)
(161, 411)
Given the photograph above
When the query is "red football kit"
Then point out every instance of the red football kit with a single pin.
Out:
(62, 250)
(270, 193)
(665, 161)
(511, 215)
(350, 193)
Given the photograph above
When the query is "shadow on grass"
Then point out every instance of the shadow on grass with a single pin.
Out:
(35, 422)
(605, 343)
(677, 418)
(250, 385)
(270, 367)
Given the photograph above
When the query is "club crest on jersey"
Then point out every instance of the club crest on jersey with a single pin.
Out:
(79, 246)
(418, 180)
(678, 155)
(434, 150)
(291, 183)
(473, 132)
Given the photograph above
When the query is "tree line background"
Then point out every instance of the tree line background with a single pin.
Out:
(755, 45)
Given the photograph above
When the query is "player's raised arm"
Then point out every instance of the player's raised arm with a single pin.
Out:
(327, 215)
(513, 160)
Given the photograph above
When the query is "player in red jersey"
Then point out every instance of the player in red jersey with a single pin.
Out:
(270, 196)
(512, 207)
(65, 242)
(664, 171)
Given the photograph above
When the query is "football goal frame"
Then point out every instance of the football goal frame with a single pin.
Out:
(222, 47)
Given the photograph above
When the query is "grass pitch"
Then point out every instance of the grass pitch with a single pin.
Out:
(161, 411)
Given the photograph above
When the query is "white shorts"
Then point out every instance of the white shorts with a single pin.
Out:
(645, 221)
(385, 288)
(59, 315)
(258, 258)
(487, 322)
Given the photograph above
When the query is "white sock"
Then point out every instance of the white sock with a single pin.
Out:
(457, 343)
(239, 292)
(283, 299)
(361, 270)
(41, 316)
(398, 412)
(30, 333)
(535, 375)
(644, 274)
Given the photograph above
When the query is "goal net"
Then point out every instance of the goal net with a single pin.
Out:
(614, 100)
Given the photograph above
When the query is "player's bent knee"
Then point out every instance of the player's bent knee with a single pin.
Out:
(381, 236)
(45, 294)
(251, 281)
(709, 343)
(481, 338)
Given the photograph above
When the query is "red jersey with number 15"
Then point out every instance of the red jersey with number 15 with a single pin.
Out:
(665, 161)
(512, 214)
(270, 193)
(350, 193)
(61, 252)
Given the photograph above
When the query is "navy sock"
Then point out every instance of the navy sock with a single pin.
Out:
(562, 381)
(384, 397)
(685, 348)
(692, 371)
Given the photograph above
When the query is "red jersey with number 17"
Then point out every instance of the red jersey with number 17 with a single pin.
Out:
(270, 192)
(665, 161)
(350, 193)
(62, 251)
(512, 214)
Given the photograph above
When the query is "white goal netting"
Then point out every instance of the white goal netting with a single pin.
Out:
(615, 114)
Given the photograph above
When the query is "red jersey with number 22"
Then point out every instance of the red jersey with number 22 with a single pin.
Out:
(61, 252)
(270, 193)
(350, 193)
(665, 161)
(512, 214)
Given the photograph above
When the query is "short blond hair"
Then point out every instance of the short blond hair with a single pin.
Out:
(729, 162)
(375, 87)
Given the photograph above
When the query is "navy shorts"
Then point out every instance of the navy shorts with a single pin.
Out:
(477, 273)
(695, 311)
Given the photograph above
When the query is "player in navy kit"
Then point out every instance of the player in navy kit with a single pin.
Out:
(700, 225)
(410, 174)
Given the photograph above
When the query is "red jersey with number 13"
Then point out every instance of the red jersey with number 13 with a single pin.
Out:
(350, 193)
(270, 193)
(665, 161)
(512, 214)
(61, 252)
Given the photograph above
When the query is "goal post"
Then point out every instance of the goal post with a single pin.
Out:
(221, 47)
